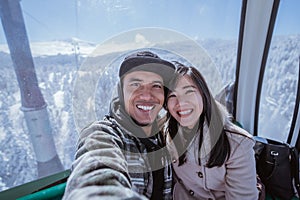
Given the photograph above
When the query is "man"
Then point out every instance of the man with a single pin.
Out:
(121, 157)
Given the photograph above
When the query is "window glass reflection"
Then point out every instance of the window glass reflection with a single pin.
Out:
(62, 34)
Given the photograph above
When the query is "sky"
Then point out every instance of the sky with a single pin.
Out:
(98, 20)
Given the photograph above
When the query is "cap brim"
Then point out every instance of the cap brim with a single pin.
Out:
(164, 68)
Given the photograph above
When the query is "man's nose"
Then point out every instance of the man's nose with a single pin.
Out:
(145, 92)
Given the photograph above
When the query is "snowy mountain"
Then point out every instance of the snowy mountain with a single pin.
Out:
(57, 66)
(58, 47)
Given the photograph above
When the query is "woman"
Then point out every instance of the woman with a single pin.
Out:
(212, 158)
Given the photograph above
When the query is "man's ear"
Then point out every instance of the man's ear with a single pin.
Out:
(120, 93)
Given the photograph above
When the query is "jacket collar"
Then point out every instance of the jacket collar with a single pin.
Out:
(117, 111)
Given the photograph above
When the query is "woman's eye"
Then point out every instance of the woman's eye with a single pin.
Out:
(171, 96)
(189, 91)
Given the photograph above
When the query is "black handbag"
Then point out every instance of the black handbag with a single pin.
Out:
(277, 165)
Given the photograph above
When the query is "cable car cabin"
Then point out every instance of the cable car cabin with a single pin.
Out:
(59, 62)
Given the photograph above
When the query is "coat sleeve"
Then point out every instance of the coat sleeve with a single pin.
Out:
(241, 172)
(99, 169)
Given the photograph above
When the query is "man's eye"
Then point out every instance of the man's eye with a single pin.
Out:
(135, 84)
(157, 86)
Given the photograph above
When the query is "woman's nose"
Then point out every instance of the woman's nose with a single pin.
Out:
(181, 100)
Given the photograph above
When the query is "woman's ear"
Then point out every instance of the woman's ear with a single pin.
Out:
(166, 92)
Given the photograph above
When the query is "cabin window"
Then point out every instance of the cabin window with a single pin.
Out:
(280, 81)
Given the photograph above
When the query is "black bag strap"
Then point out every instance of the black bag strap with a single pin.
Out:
(295, 166)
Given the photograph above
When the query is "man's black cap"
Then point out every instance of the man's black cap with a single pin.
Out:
(147, 61)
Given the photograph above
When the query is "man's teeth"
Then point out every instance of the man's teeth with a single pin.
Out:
(145, 107)
(185, 112)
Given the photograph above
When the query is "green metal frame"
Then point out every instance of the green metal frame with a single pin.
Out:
(50, 187)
